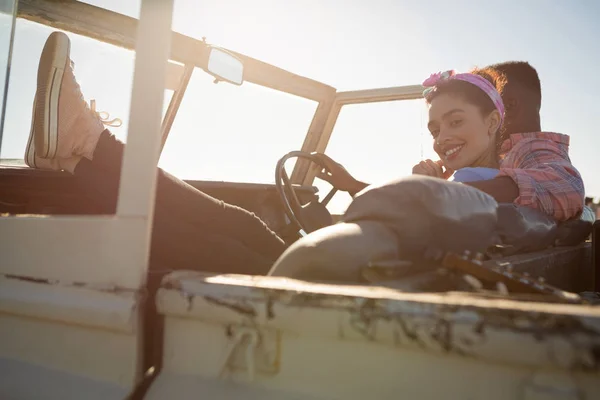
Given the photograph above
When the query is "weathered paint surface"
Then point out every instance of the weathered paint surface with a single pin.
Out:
(312, 337)
(94, 306)
(460, 323)
(64, 335)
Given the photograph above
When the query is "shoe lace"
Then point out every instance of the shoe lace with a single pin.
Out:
(105, 117)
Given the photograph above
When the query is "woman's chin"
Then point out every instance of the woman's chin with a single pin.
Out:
(457, 161)
(455, 166)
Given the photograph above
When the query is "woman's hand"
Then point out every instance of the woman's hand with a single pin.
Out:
(432, 168)
(338, 176)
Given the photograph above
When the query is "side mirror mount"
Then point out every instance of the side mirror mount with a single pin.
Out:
(225, 66)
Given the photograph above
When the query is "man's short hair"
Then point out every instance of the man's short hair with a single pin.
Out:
(523, 73)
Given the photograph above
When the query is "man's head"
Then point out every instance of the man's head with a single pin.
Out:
(589, 201)
(522, 96)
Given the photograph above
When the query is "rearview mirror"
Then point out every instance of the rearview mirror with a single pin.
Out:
(225, 66)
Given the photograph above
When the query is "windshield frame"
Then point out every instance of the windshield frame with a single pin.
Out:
(320, 131)
(119, 30)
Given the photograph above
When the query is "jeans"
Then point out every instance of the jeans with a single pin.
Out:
(191, 230)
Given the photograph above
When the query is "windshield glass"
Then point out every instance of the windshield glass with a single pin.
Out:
(104, 72)
(377, 142)
(7, 19)
(221, 130)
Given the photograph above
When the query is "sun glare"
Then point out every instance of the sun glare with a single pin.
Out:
(225, 132)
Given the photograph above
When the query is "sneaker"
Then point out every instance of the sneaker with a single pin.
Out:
(63, 125)
(54, 164)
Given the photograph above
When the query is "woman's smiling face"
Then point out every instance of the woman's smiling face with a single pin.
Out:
(463, 137)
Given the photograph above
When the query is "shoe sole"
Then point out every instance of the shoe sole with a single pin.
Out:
(53, 63)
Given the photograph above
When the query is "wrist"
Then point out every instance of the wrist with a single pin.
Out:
(357, 186)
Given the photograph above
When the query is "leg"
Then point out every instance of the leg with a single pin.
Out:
(178, 243)
(181, 211)
(180, 199)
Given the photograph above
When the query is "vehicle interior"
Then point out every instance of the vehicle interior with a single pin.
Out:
(565, 256)
(291, 198)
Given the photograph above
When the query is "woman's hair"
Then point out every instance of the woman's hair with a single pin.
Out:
(469, 92)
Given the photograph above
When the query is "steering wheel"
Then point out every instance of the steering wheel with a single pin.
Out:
(309, 217)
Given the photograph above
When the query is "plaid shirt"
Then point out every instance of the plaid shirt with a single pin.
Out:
(539, 164)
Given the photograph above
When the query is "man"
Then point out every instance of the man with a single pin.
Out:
(522, 99)
(589, 202)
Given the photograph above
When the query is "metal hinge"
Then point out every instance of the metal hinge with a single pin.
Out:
(252, 350)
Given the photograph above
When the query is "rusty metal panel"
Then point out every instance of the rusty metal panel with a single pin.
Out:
(353, 342)
(461, 323)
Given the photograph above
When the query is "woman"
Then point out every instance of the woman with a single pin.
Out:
(466, 114)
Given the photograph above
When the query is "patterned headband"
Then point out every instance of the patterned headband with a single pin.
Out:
(482, 83)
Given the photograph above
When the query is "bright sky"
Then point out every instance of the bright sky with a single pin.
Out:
(347, 44)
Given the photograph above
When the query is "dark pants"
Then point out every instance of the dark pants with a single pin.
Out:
(191, 230)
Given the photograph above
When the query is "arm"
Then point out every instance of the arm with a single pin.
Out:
(357, 187)
(545, 177)
(336, 175)
(502, 188)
